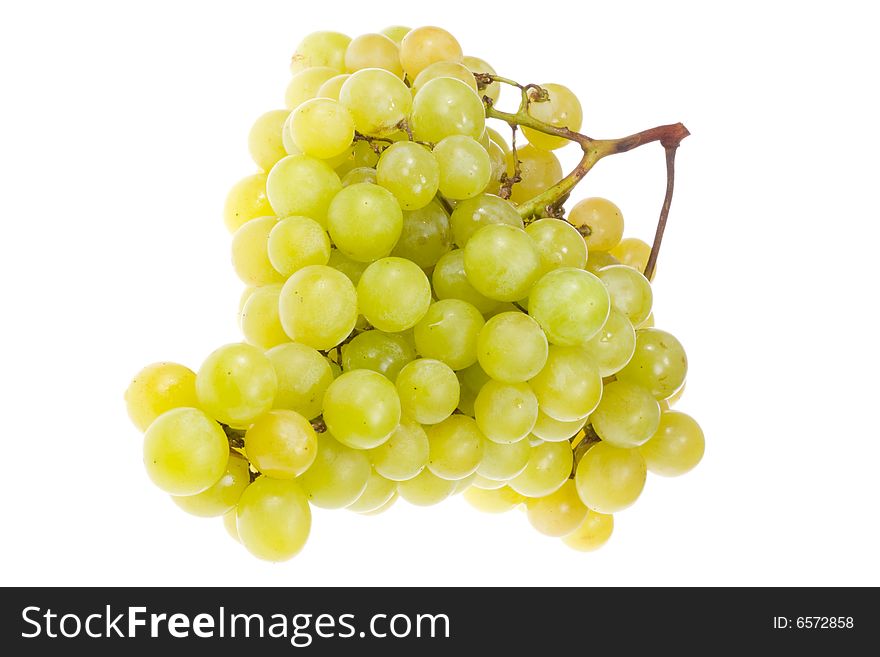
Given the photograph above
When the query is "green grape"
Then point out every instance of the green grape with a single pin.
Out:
(499, 165)
(378, 101)
(223, 495)
(410, 172)
(158, 388)
(465, 167)
(598, 260)
(303, 377)
(361, 155)
(477, 65)
(676, 447)
(250, 257)
(548, 468)
(493, 501)
(496, 138)
(421, 47)
(592, 533)
(571, 305)
(444, 70)
(318, 306)
(245, 201)
(377, 351)
(461, 485)
(450, 282)
(456, 447)
(503, 461)
(236, 384)
(505, 412)
(561, 110)
(539, 170)
(360, 175)
(632, 252)
(483, 483)
(405, 454)
(373, 51)
(229, 523)
(626, 416)
(296, 242)
(377, 493)
(512, 347)
(281, 444)
(630, 291)
(555, 431)
(569, 387)
(559, 513)
(361, 409)
(264, 140)
(474, 378)
(600, 221)
(338, 476)
(330, 89)
(483, 210)
(365, 221)
(675, 397)
(185, 451)
(302, 185)
(351, 268)
(259, 319)
(393, 294)
(321, 128)
(320, 49)
(614, 344)
(384, 507)
(273, 519)
(395, 32)
(658, 363)
(648, 323)
(425, 236)
(304, 85)
(428, 390)
(502, 262)
(448, 332)
(426, 489)
(610, 479)
(445, 107)
(559, 243)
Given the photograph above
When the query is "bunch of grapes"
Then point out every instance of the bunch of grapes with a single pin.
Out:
(410, 331)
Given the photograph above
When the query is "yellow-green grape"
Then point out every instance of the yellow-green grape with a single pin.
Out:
(593, 532)
(425, 236)
(499, 166)
(659, 363)
(361, 409)
(477, 65)
(281, 444)
(456, 447)
(445, 107)
(539, 170)
(465, 167)
(502, 262)
(296, 242)
(405, 454)
(450, 282)
(448, 332)
(304, 85)
(505, 412)
(632, 252)
(352, 269)
(365, 221)
(675, 397)
(559, 243)
(245, 295)
(555, 431)
(377, 351)
(264, 140)
(302, 185)
(493, 501)
(318, 306)
(483, 210)
(614, 344)
(373, 51)
(559, 513)
(245, 201)
(610, 479)
(648, 323)
(598, 260)
(461, 485)
(428, 390)
(570, 386)
(423, 46)
(320, 49)
(273, 519)
(630, 291)
(561, 110)
(377, 493)
(471, 380)
(496, 138)
(321, 128)
(361, 155)
(158, 388)
(334, 367)
(236, 384)
(444, 70)
(512, 347)
(259, 319)
(395, 32)
(393, 294)
(230, 525)
(382, 509)
(571, 305)
(599, 221)
(338, 476)
(626, 416)
(330, 89)
(378, 101)
(250, 256)
(503, 461)
(479, 481)
(360, 175)
(426, 489)
(410, 172)
(303, 377)
(185, 451)
(290, 148)
(223, 495)
(676, 447)
(548, 468)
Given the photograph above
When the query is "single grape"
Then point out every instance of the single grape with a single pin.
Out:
(410, 172)
(630, 291)
(273, 519)
(600, 222)
(365, 221)
(421, 47)
(236, 384)
(548, 468)
(361, 155)
(598, 260)
(230, 524)
(569, 387)
(512, 347)
(338, 476)
(428, 390)
(626, 416)
(559, 513)
(259, 319)
(676, 447)
(158, 388)
(571, 305)
(445, 107)
(404, 454)
(378, 101)
(444, 70)
(395, 32)
(456, 447)
(465, 167)
(632, 252)
(264, 140)
(477, 65)
(425, 236)
(302, 185)
(393, 294)
(593, 532)
(502, 262)
(296, 242)
(245, 201)
(658, 364)
(223, 495)
(320, 49)
(304, 85)
(554, 431)
(330, 89)
(351, 268)
(559, 243)
(373, 51)
(303, 377)
(506, 412)
(614, 344)
(503, 461)
(493, 501)
(561, 110)
(483, 210)
(377, 493)
(539, 170)
(360, 175)
(281, 444)
(250, 257)
(318, 306)
(450, 282)
(448, 332)
(496, 138)
(361, 409)
(426, 489)
(321, 128)
(377, 351)
(610, 479)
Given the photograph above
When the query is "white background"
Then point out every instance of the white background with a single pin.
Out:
(124, 124)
